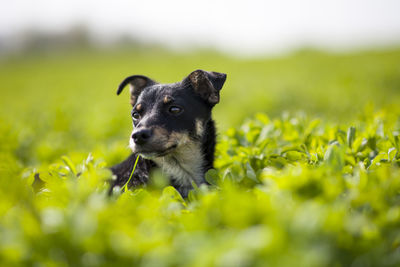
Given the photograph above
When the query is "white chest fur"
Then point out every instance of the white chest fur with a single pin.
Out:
(184, 165)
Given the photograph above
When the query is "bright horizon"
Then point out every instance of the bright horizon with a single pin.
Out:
(250, 27)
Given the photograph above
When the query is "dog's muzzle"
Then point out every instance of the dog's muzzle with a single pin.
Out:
(142, 136)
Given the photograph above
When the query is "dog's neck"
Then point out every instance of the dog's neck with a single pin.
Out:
(184, 165)
(189, 162)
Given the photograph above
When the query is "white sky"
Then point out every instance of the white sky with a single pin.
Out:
(247, 26)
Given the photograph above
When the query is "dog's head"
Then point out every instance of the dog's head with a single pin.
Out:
(168, 116)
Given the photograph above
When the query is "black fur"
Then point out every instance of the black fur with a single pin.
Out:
(208, 145)
(173, 129)
(123, 171)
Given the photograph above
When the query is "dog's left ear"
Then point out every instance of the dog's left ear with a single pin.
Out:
(207, 84)
(136, 83)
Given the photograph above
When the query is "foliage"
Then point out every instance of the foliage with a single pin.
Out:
(288, 190)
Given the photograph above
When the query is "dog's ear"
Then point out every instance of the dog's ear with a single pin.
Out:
(136, 83)
(207, 84)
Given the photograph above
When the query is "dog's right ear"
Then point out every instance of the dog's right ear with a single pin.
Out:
(136, 83)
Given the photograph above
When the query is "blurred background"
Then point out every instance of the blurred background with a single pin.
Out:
(61, 62)
(237, 28)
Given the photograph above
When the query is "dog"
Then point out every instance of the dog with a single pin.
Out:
(172, 129)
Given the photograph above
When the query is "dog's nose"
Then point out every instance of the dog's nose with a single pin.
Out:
(141, 136)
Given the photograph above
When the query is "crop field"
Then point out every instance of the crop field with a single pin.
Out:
(307, 164)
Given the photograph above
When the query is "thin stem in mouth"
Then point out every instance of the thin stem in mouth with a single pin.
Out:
(125, 187)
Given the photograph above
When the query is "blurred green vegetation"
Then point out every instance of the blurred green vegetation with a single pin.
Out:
(316, 182)
(63, 102)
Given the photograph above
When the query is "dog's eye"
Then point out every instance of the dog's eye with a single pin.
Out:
(135, 115)
(175, 110)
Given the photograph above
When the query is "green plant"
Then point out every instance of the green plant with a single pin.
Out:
(289, 189)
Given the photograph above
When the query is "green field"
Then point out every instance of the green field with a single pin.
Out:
(307, 169)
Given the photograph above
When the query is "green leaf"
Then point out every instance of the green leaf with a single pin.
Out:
(294, 155)
(392, 152)
(334, 157)
(171, 194)
(351, 136)
(212, 177)
(250, 173)
(67, 161)
(192, 196)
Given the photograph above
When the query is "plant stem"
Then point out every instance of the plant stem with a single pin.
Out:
(125, 187)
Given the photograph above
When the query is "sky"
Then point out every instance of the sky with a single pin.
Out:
(244, 27)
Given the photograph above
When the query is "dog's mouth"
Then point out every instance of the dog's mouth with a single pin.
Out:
(161, 144)
(156, 153)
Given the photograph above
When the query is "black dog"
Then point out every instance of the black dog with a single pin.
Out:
(172, 129)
